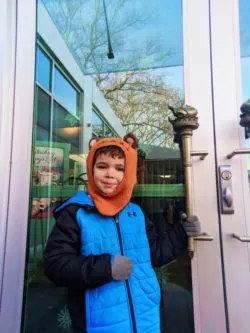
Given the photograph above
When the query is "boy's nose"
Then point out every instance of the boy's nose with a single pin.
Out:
(109, 174)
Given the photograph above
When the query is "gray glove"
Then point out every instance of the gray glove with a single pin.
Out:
(121, 268)
(191, 225)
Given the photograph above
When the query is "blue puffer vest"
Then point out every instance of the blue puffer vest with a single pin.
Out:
(119, 307)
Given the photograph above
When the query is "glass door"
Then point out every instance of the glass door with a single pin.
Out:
(132, 85)
(230, 69)
(106, 68)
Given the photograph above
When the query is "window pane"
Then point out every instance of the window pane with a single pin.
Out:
(43, 69)
(97, 124)
(42, 115)
(65, 93)
(66, 127)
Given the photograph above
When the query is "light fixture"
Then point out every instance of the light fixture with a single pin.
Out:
(81, 158)
(165, 176)
(69, 132)
(110, 53)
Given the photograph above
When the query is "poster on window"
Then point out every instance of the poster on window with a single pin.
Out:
(50, 168)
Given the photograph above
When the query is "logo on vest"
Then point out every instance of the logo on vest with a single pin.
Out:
(131, 214)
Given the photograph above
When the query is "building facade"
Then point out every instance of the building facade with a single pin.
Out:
(70, 70)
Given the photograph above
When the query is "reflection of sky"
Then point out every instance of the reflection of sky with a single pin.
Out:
(176, 78)
(162, 27)
(244, 12)
(245, 74)
(43, 69)
(173, 77)
(153, 41)
(144, 33)
(65, 93)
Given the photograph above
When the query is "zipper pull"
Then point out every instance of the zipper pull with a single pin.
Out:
(116, 219)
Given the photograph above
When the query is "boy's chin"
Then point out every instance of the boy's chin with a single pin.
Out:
(107, 190)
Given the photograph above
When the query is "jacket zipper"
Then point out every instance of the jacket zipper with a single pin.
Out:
(126, 281)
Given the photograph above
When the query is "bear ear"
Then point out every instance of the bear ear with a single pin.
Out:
(132, 140)
(92, 141)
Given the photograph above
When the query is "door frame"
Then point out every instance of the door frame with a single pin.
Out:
(20, 27)
(7, 72)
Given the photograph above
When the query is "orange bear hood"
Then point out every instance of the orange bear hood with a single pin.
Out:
(112, 203)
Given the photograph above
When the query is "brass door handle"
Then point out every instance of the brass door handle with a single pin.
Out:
(204, 237)
(244, 239)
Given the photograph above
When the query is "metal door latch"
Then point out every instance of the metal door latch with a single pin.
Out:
(226, 193)
(228, 197)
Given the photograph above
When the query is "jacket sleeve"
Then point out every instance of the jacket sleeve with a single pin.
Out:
(63, 263)
(167, 247)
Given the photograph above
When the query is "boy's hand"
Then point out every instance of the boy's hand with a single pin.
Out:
(121, 268)
(191, 225)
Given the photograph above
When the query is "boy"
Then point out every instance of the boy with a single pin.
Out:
(102, 247)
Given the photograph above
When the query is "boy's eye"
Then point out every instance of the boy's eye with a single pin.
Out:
(101, 166)
(121, 169)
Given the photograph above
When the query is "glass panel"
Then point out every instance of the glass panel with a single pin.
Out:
(58, 173)
(65, 93)
(132, 92)
(126, 25)
(244, 7)
(97, 125)
(43, 69)
(66, 127)
(42, 117)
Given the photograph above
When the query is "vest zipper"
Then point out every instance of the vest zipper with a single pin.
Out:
(126, 281)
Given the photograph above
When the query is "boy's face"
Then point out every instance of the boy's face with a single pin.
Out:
(108, 172)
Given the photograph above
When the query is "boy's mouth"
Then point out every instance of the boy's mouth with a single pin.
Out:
(108, 185)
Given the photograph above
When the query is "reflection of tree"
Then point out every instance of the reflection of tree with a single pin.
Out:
(82, 25)
(140, 100)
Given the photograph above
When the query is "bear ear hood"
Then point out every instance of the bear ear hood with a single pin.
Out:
(112, 203)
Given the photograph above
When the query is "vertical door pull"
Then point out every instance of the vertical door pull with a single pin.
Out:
(185, 122)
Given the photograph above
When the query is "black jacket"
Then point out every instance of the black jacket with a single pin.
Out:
(65, 266)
